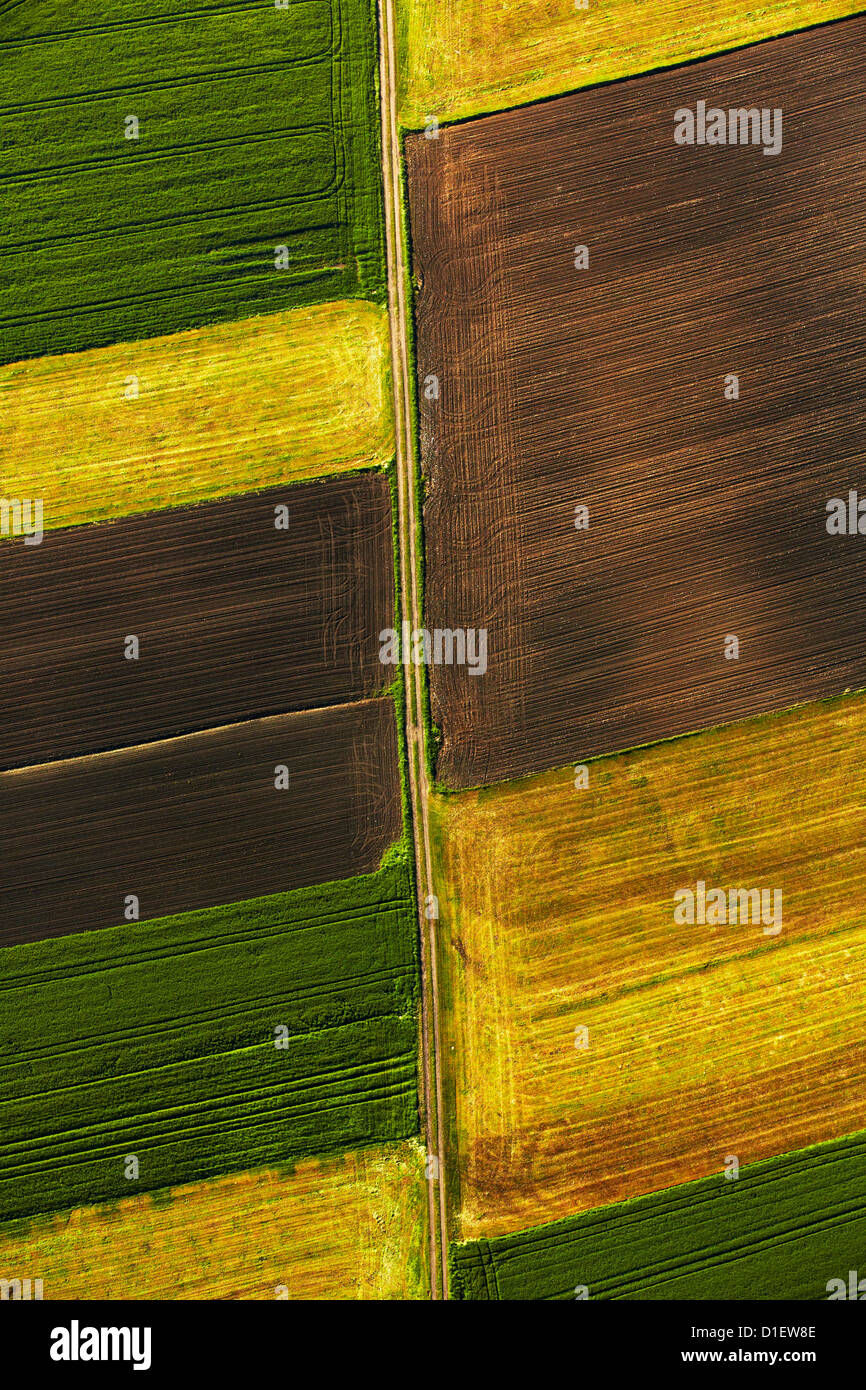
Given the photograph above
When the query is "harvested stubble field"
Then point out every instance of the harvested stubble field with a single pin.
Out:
(257, 129)
(169, 1043)
(198, 820)
(604, 388)
(348, 1228)
(782, 1230)
(558, 914)
(466, 57)
(235, 618)
(198, 415)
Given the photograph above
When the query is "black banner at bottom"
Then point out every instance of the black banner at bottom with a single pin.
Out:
(84, 1339)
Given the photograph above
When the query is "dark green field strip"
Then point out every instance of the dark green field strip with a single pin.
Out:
(258, 128)
(164, 1046)
(33, 20)
(75, 66)
(782, 1230)
(117, 1016)
(263, 1113)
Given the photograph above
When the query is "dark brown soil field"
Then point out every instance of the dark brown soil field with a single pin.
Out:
(196, 821)
(235, 619)
(604, 387)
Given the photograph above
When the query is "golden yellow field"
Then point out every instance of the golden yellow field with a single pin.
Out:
(218, 411)
(703, 1041)
(465, 57)
(350, 1227)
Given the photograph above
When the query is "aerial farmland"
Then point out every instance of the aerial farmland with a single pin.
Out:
(199, 418)
(307, 570)
(626, 601)
(600, 1050)
(433, 665)
(144, 151)
(208, 889)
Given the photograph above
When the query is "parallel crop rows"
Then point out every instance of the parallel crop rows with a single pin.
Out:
(256, 130)
(170, 1048)
(206, 908)
(784, 1230)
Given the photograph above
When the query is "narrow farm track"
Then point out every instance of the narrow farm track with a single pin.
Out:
(411, 612)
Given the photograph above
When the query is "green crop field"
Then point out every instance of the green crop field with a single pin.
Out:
(783, 1229)
(257, 129)
(160, 1042)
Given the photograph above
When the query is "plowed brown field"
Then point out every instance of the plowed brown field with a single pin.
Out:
(235, 619)
(604, 387)
(196, 821)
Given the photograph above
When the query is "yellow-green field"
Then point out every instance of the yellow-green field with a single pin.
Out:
(204, 414)
(557, 913)
(465, 57)
(348, 1228)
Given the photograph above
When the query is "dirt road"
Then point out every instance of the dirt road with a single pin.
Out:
(411, 612)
